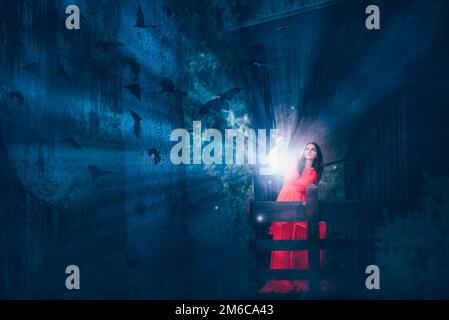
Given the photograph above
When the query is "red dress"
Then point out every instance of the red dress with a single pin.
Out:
(294, 189)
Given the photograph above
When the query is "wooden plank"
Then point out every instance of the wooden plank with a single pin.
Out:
(343, 244)
(270, 245)
(283, 274)
(324, 244)
(342, 275)
(312, 210)
(269, 211)
(350, 210)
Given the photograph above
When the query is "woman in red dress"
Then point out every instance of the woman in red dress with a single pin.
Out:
(308, 171)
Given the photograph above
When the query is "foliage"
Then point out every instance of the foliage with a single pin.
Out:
(414, 250)
(332, 184)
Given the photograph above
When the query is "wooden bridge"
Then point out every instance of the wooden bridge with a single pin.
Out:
(353, 221)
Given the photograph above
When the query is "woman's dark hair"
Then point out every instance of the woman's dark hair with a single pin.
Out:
(317, 163)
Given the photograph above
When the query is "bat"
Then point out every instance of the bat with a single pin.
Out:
(167, 86)
(137, 119)
(108, 45)
(69, 189)
(132, 258)
(16, 95)
(285, 27)
(60, 71)
(258, 64)
(32, 68)
(37, 137)
(228, 95)
(155, 154)
(133, 64)
(96, 172)
(140, 208)
(168, 10)
(140, 21)
(217, 103)
(71, 141)
(134, 89)
(214, 104)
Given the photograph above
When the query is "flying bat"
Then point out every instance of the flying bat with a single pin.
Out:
(155, 154)
(134, 89)
(168, 10)
(16, 95)
(217, 103)
(71, 141)
(32, 68)
(36, 136)
(258, 64)
(109, 45)
(137, 119)
(140, 21)
(228, 95)
(167, 86)
(61, 72)
(133, 64)
(96, 172)
(286, 27)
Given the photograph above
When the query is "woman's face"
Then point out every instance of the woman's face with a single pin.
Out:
(310, 152)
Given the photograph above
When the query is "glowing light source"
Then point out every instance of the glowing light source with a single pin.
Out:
(280, 162)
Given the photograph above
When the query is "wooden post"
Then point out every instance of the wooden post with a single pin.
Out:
(313, 239)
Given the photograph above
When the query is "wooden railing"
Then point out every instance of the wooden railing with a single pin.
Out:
(312, 211)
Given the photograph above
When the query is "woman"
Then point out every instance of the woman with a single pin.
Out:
(308, 171)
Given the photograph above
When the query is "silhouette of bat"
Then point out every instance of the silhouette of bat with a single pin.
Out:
(133, 64)
(137, 119)
(134, 89)
(71, 141)
(140, 208)
(168, 10)
(228, 95)
(140, 21)
(167, 86)
(37, 137)
(16, 95)
(258, 64)
(217, 103)
(96, 172)
(285, 27)
(108, 45)
(61, 72)
(32, 68)
(155, 154)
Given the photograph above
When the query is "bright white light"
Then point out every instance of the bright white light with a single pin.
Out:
(273, 160)
(260, 218)
(280, 162)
